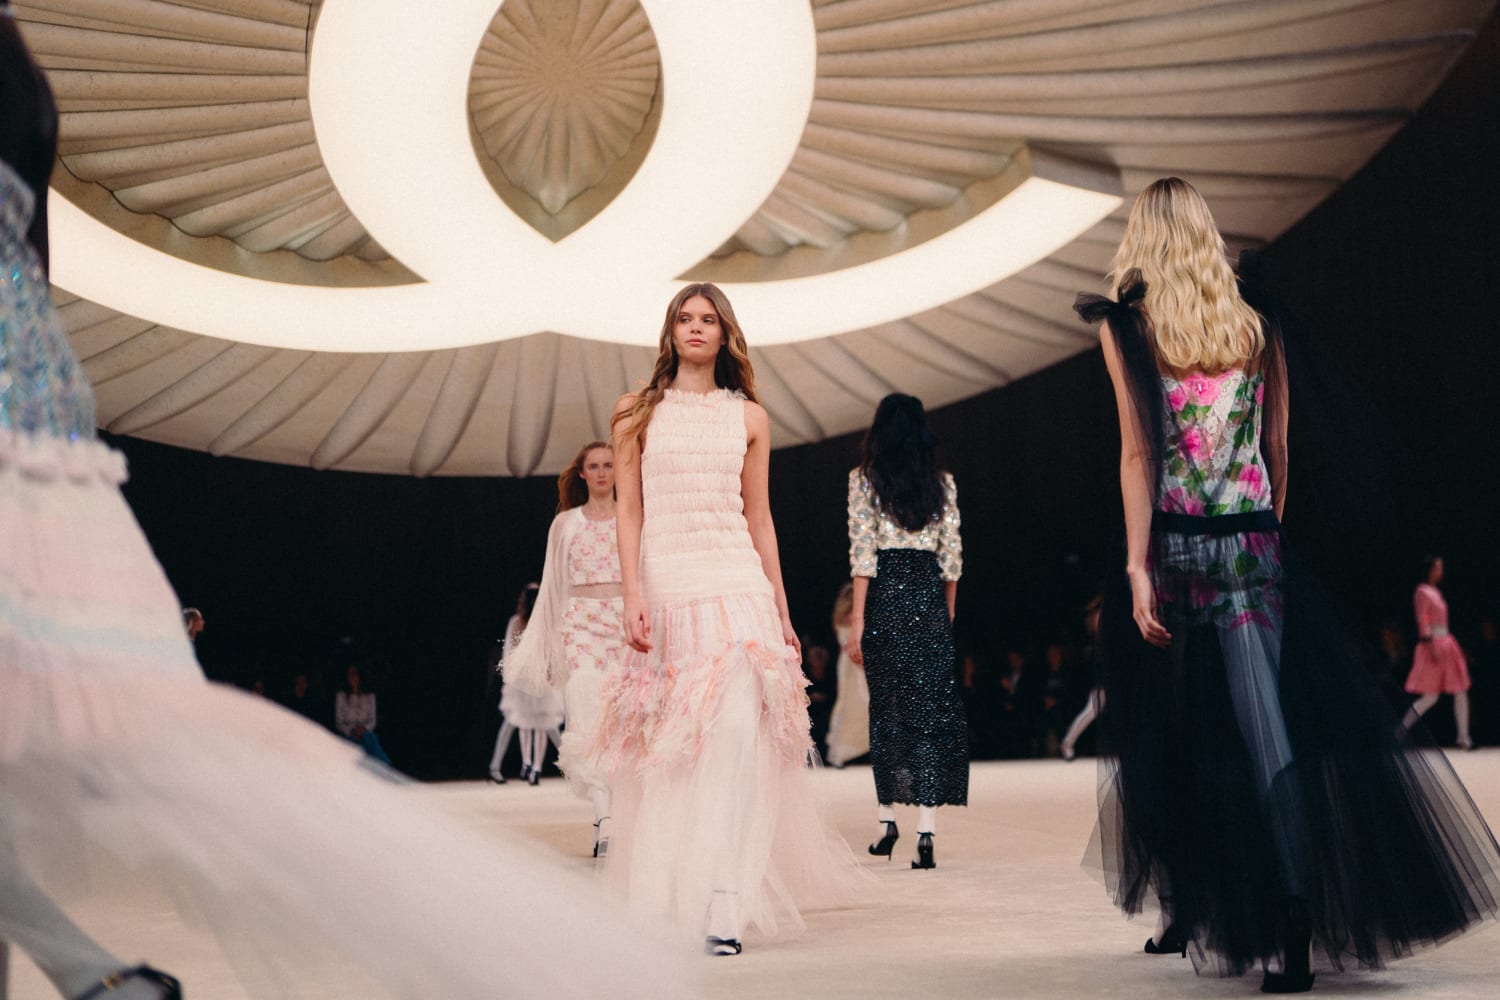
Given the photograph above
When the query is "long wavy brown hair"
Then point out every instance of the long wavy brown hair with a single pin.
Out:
(732, 368)
(572, 491)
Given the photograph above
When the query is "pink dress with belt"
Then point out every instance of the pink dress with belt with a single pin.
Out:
(1439, 666)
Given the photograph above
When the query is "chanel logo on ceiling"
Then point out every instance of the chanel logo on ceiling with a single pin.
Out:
(388, 90)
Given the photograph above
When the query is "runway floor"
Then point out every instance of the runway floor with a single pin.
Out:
(1009, 911)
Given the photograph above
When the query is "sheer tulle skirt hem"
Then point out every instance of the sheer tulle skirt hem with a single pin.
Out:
(708, 751)
(1255, 761)
(307, 861)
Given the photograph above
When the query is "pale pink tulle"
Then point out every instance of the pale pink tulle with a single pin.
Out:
(706, 739)
(308, 862)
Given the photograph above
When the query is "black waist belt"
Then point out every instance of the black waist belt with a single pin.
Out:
(1224, 524)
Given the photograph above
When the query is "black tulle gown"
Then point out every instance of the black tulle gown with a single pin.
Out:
(1254, 762)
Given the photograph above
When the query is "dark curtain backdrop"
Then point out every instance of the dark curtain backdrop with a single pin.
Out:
(1393, 281)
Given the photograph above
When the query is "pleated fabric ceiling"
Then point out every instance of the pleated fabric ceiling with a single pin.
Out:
(438, 238)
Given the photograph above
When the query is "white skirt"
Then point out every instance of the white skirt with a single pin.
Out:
(594, 640)
(706, 743)
(284, 839)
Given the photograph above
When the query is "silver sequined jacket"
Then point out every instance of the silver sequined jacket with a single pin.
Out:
(870, 530)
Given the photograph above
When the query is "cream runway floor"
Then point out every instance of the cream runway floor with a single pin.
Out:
(1009, 911)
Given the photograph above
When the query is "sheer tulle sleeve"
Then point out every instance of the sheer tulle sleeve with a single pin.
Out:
(863, 526)
(539, 661)
(1132, 330)
(950, 551)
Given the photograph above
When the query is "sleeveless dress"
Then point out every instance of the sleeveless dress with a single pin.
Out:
(919, 731)
(849, 725)
(1254, 761)
(705, 738)
(310, 865)
(1439, 666)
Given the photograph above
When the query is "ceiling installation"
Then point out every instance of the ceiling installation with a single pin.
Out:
(438, 238)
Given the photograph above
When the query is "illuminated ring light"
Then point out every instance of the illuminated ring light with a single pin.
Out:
(405, 166)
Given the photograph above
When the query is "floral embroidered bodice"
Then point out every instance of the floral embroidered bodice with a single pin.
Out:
(1211, 464)
(594, 554)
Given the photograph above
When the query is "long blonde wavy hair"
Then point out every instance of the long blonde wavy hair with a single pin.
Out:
(572, 491)
(732, 368)
(1198, 318)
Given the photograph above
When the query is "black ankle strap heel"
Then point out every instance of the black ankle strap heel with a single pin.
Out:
(887, 843)
(115, 980)
(924, 852)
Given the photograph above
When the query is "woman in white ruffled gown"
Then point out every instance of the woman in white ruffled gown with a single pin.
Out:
(849, 727)
(533, 714)
(314, 867)
(705, 731)
(577, 636)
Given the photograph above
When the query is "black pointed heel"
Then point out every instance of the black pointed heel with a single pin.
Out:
(887, 843)
(115, 980)
(722, 947)
(924, 852)
(1296, 962)
(1174, 941)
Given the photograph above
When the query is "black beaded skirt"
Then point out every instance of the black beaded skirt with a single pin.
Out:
(1254, 762)
(919, 735)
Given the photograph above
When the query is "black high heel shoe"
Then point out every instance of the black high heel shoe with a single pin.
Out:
(924, 852)
(111, 982)
(722, 947)
(887, 843)
(1174, 940)
(1296, 975)
(534, 776)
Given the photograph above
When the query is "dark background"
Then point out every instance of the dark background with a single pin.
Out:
(1394, 282)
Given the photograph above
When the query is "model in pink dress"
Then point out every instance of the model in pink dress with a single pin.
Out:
(704, 729)
(1439, 666)
(579, 637)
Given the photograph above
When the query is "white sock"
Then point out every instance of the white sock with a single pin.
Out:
(526, 745)
(927, 819)
(724, 915)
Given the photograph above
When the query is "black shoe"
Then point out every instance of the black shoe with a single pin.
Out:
(601, 844)
(887, 843)
(1174, 940)
(1296, 975)
(111, 982)
(924, 852)
(533, 776)
(722, 947)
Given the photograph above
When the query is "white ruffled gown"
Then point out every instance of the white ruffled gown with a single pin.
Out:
(706, 737)
(308, 863)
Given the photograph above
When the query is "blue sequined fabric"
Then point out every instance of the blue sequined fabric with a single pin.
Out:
(43, 389)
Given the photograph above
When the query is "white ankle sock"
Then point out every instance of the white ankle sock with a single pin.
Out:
(927, 819)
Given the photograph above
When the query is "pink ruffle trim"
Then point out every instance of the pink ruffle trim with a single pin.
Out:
(658, 716)
(41, 456)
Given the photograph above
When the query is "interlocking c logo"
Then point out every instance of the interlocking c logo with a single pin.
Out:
(738, 83)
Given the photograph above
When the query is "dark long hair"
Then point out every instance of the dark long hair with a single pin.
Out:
(901, 462)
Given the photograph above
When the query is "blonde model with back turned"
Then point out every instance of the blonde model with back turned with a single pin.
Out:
(1258, 786)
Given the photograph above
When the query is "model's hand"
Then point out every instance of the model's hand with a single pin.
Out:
(789, 636)
(637, 624)
(852, 647)
(1143, 609)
